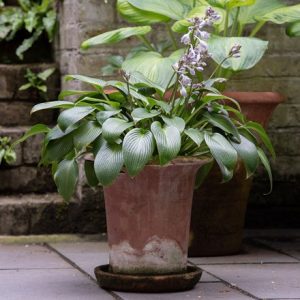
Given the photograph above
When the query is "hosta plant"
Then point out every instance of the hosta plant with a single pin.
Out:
(124, 125)
(240, 21)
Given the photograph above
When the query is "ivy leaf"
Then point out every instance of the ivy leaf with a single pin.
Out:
(138, 147)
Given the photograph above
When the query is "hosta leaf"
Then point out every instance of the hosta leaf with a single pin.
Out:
(252, 51)
(108, 163)
(262, 135)
(223, 152)
(247, 151)
(173, 9)
(195, 135)
(115, 36)
(65, 177)
(199, 11)
(168, 141)
(139, 114)
(112, 128)
(287, 14)
(293, 29)
(222, 122)
(86, 134)
(58, 148)
(67, 93)
(264, 160)
(51, 104)
(90, 173)
(102, 116)
(153, 66)
(177, 122)
(138, 147)
(248, 14)
(132, 14)
(73, 115)
(98, 83)
(36, 129)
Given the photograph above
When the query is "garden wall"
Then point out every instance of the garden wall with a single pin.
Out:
(279, 71)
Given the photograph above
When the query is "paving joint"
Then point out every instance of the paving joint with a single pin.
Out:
(74, 265)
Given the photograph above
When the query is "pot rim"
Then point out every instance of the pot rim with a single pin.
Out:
(256, 97)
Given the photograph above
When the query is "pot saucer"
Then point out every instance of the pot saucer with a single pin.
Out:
(148, 283)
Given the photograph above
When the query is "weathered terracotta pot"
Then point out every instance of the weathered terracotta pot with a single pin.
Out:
(219, 210)
(148, 218)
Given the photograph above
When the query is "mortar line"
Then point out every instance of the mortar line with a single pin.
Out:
(228, 284)
(247, 263)
(269, 247)
(74, 265)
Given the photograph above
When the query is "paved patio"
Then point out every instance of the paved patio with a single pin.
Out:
(61, 267)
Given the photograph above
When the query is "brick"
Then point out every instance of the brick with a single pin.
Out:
(12, 77)
(286, 115)
(26, 179)
(17, 113)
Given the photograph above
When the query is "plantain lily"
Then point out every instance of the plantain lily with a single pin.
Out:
(241, 19)
(124, 125)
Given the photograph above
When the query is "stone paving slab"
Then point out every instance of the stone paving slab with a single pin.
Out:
(202, 291)
(88, 255)
(58, 284)
(249, 254)
(264, 281)
(29, 257)
(288, 246)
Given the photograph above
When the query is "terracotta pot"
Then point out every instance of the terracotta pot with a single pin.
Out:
(219, 210)
(148, 218)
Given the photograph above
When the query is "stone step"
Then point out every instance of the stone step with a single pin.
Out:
(17, 113)
(28, 152)
(12, 77)
(47, 214)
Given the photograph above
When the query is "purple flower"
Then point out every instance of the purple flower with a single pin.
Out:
(186, 39)
(235, 51)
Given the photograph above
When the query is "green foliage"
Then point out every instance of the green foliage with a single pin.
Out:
(37, 81)
(140, 131)
(7, 154)
(36, 17)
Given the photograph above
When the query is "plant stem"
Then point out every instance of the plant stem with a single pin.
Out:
(240, 29)
(146, 42)
(226, 22)
(217, 68)
(194, 3)
(175, 44)
(257, 28)
(235, 22)
(168, 85)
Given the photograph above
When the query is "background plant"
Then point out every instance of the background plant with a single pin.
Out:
(240, 22)
(37, 81)
(35, 17)
(7, 154)
(132, 125)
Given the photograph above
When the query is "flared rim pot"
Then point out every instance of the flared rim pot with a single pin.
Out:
(148, 218)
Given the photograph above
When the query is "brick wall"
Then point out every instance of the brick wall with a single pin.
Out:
(278, 71)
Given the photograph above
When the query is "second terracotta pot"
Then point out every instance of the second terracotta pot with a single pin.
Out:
(219, 210)
(148, 218)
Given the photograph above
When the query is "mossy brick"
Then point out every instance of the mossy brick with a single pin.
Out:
(285, 115)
